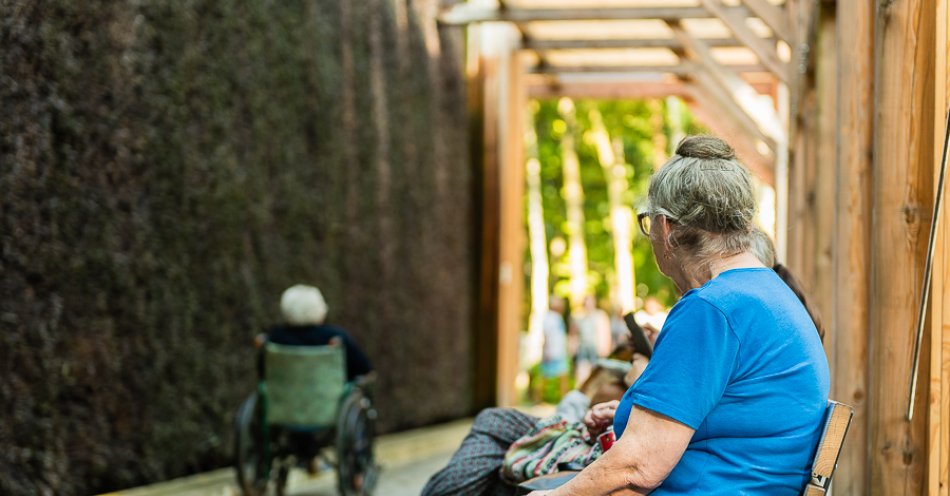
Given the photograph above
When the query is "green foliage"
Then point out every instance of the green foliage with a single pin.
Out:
(633, 122)
(167, 169)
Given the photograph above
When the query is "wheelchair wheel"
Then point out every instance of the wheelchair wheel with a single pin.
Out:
(356, 467)
(249, 446)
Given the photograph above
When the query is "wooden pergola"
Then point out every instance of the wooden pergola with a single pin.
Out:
(839, 106)
(723, 60)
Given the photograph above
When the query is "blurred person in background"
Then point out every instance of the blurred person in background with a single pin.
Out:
(652, 315)
(618, 328)
(304, 312)
(593, 338)
(554, 356)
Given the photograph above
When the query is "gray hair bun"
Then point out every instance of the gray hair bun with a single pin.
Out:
(705, 147)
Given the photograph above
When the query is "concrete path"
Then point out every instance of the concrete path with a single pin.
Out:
(408, 459)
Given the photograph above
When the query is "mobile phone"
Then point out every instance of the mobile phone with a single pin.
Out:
(638, 337)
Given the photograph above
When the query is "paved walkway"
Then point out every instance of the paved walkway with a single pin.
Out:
(408, 459)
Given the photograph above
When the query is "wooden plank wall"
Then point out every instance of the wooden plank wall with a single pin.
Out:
(938, 415)
(848, 322)
(823, 183)
(889, 98)
(902, 192)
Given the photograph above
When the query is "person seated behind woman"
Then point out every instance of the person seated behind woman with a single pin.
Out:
(736, 349)
(305, 311)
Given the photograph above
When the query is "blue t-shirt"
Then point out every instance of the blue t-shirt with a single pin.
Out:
(739, 360)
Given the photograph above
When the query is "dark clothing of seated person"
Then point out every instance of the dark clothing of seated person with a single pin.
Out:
(304, 311)
(319, 335)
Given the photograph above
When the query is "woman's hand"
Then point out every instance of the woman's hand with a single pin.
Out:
(637, 365)
(651, 332)
(600, 416)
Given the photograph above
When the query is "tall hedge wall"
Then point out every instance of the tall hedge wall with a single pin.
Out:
(167, 168)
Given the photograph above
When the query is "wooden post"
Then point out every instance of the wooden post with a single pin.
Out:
(511, 118)
(800, 228)
(938, 451)
(848, 323)
(902, 195)
(811, 185)
(822, 175)
(484, 107)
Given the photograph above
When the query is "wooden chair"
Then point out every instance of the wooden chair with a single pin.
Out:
(836, 422)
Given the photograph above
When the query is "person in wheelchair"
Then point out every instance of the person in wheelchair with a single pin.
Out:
(305, 311)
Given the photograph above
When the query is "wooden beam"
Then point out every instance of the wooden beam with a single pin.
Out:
(728, 105)
(764, 50)
(585, 44)
(614, 86)
(678, 69)
(717, 119)
(464, 13)
(852, 254)
(902, 195)
(773, 17)
(523, 29)
(729, 83)
(555, 88)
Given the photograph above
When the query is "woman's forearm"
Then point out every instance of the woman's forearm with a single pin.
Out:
(638, 462)
(611, 474)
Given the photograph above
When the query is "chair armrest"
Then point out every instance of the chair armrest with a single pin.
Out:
(547, 482)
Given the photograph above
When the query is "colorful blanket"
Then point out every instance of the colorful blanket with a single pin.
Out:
(553, 441)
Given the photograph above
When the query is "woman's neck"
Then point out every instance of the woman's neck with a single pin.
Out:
(692, 279)
(744, 260)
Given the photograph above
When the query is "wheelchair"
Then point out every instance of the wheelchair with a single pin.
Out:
(302, 405)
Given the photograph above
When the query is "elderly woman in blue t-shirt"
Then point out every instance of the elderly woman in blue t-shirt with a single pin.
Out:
(734, 395)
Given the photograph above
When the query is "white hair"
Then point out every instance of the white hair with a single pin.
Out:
(303, 305)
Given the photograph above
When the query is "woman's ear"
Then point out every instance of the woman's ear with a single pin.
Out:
(661, 225)
(663, 231)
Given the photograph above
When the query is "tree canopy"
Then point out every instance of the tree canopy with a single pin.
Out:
(642, 127)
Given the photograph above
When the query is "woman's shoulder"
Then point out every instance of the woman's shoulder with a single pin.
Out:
(734, 290)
